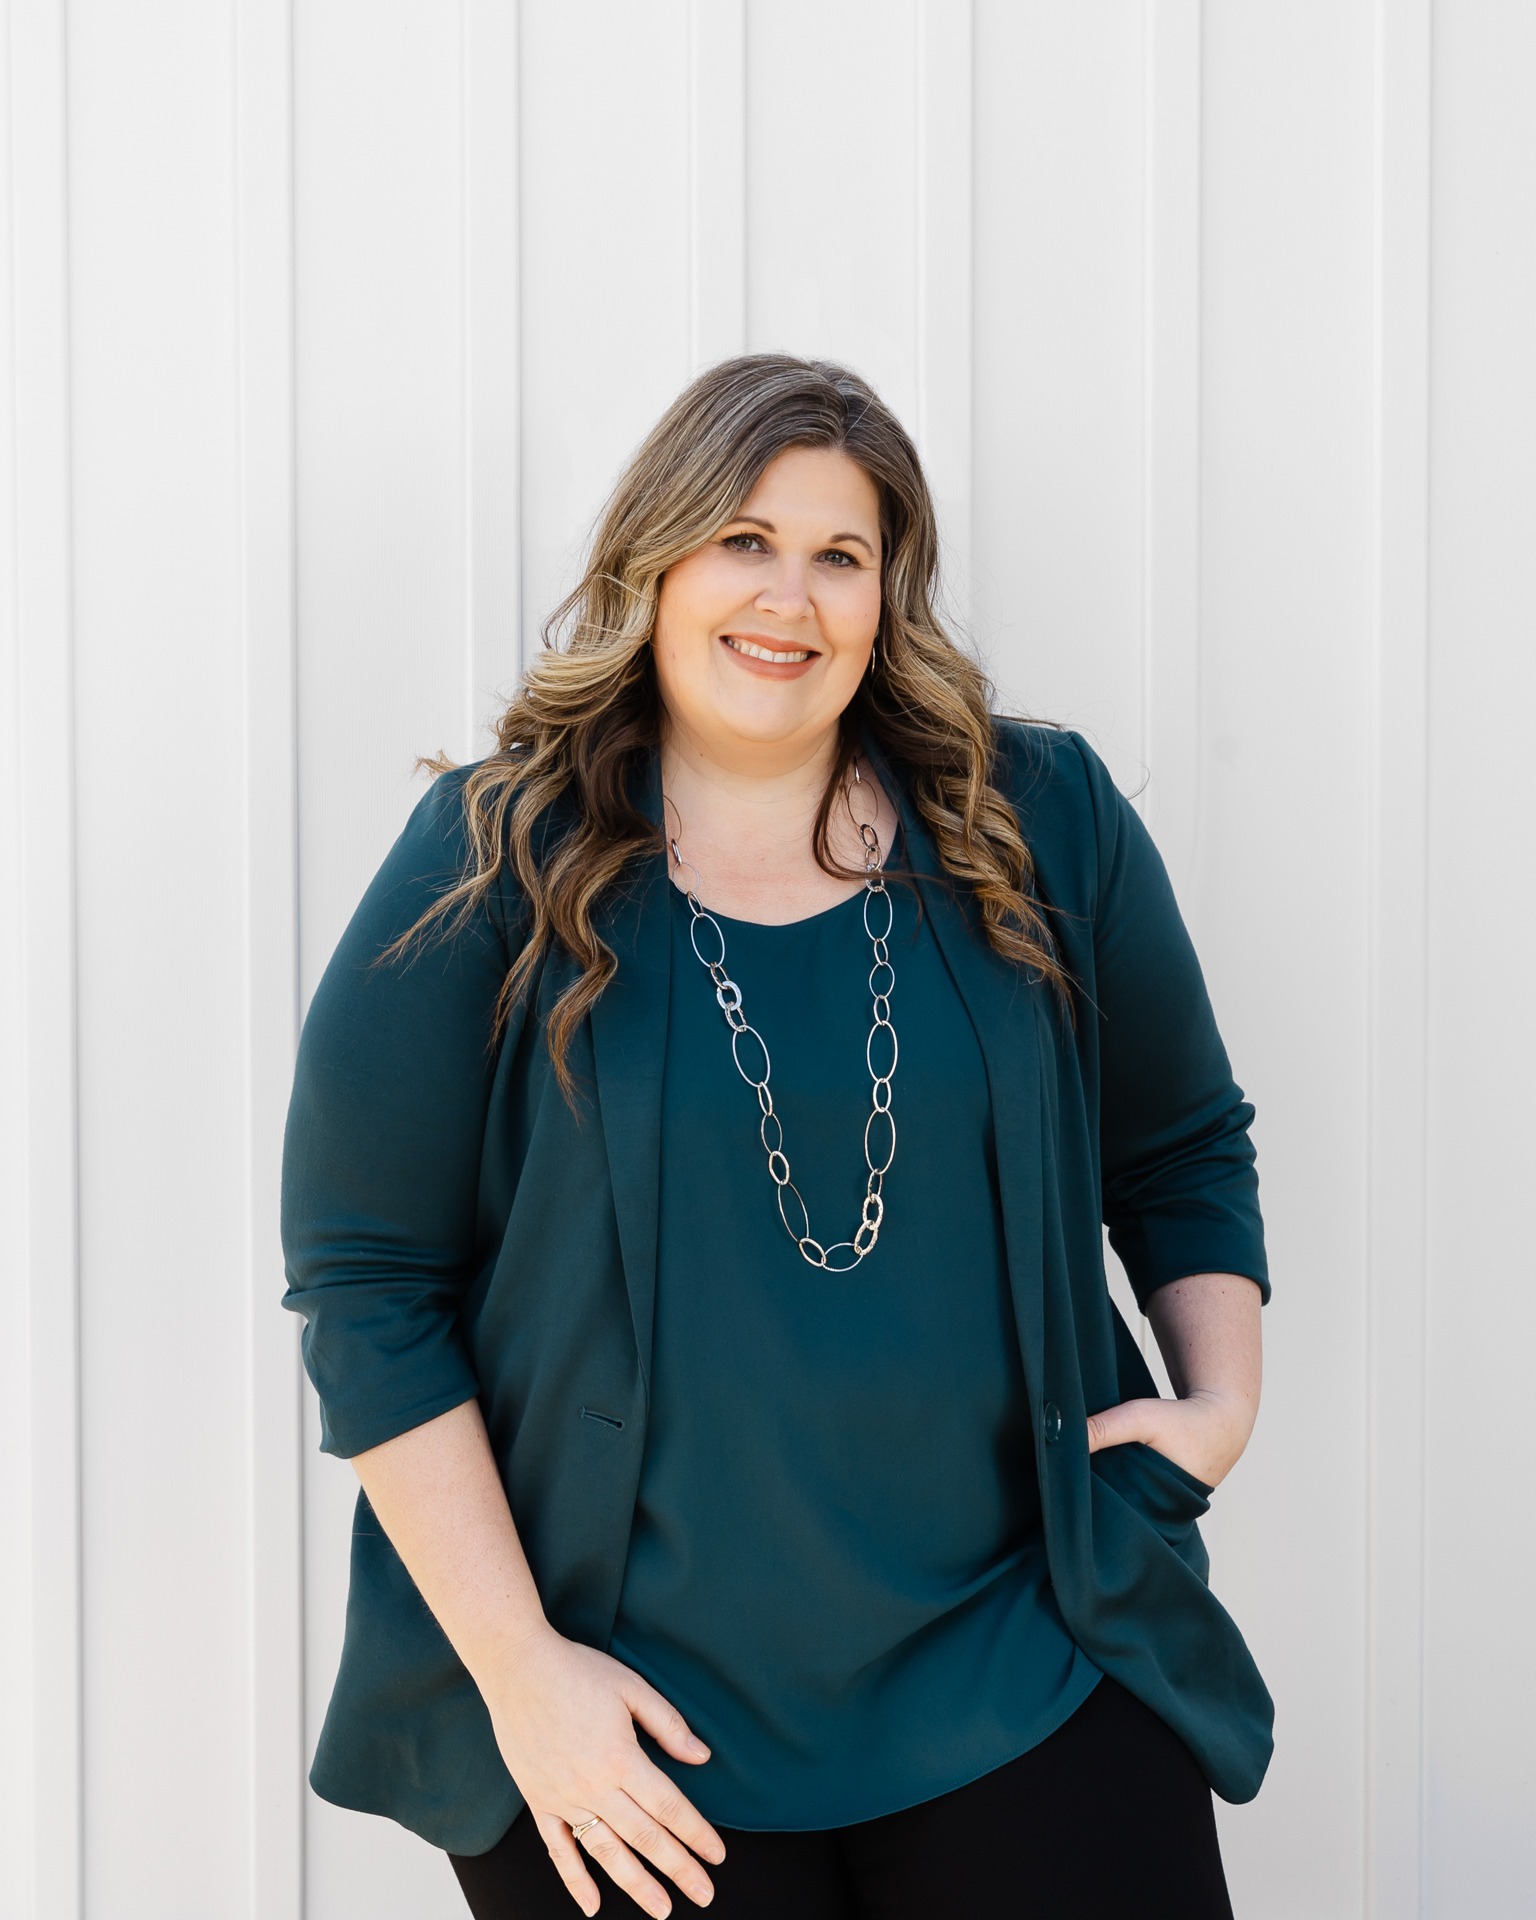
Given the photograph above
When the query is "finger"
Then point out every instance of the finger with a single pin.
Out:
(648, 1835)
(1113, 1426)
(648, 1786)
(605, 1845)
(661, 1719)
(570, 1861)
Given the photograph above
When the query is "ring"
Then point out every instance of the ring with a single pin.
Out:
(577, 1832)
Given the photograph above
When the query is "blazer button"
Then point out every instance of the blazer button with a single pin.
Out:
(1052, 1422)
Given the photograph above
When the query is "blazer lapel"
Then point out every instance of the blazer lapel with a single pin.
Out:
(629, 1045)
(1005, 1012)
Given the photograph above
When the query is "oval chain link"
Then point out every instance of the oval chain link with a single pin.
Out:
(879, 1128)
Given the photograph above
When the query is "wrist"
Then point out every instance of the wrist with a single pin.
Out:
(496, 1664)
(1233, 1410)
(1225, 1421)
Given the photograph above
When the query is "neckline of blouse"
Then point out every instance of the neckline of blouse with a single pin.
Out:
(785, 926)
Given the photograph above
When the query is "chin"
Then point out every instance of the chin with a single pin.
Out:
(768, 724)
(755, 716)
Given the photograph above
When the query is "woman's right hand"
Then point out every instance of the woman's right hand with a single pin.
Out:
(563, 1715)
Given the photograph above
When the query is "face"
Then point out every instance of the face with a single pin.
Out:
(763, 632)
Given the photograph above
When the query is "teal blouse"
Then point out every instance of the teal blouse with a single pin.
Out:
(453, 1229)
(837, 1570)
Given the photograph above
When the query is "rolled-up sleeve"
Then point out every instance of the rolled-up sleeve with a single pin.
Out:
(1180, 1184)
(381, 1151)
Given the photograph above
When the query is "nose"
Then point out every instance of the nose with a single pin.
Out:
(785, 594)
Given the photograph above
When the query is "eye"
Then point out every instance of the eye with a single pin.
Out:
(846, 559)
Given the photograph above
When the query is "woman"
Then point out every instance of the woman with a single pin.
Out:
(693, 1188)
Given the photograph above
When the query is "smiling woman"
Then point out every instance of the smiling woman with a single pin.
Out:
(761, 641)
(789, 601)
(898, 1521)
(810, 449)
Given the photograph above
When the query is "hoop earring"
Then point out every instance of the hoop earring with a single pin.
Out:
(874, 654)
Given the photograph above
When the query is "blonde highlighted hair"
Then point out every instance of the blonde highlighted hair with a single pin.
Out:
(555, 801)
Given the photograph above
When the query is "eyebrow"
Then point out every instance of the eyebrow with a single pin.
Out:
(769, 527)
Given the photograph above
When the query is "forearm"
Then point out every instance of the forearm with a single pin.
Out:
(1207, 1328)
(439, 1497)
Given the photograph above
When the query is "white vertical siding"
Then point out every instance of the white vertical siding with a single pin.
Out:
(1280, 893)
(159, 722)
(40, 1563)
(270, 1880)
(1397, 1166)
(1480, 1311)
(326, 331)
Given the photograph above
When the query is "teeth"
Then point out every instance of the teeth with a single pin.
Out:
(765, 653)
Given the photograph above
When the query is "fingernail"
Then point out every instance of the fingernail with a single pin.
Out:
(696, 1744)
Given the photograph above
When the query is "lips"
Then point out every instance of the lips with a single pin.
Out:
(757, 650)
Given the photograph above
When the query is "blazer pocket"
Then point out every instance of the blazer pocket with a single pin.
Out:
(1161, 1462)
(1165, 1494)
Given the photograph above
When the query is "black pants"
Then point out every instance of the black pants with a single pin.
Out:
(1108, 1816)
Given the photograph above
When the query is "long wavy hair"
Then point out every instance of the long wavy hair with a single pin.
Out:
(555, 801)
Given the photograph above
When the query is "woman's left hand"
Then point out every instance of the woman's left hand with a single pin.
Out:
(1204, 1433)
(1207, 1329)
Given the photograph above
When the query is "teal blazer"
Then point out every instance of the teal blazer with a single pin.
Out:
(451, 1229)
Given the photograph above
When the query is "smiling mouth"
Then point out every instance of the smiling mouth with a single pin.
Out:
(782, 656)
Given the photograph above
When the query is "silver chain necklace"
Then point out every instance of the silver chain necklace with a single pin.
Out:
(729, 996)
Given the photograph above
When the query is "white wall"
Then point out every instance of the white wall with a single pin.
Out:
(327, 329)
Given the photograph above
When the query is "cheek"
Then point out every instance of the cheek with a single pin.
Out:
(698, 595)
(685, 670)
(675, 673)
(855, 617)
(676, 642)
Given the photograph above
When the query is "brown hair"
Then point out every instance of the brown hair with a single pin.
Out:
(588, 711)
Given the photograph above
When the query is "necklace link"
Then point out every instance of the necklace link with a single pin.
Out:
(848, 1253)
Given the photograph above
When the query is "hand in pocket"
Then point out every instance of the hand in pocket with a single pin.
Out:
(1204, 1433)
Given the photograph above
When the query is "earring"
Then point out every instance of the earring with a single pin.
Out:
(873, 656)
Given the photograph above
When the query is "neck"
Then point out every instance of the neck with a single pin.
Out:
(748, 814)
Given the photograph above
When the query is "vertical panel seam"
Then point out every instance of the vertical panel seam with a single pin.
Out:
(1148, 206)
(490, 238)
(1170, 651)
(47, 853)
(716, 102)
(1396, 981)
(1426, 105)
(469, 492)
(265, 437)
(943, 268)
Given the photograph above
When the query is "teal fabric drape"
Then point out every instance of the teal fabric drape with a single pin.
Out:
(452, 1229)
(837, 1569)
